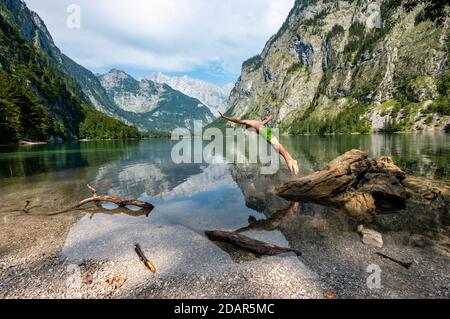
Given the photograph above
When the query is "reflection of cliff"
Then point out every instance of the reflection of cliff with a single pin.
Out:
(211, 178)
(138, 179)
(424, 154)
(421, 223)
(160, 181)
(255, 187)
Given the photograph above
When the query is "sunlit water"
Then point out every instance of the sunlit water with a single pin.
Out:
(189, 198)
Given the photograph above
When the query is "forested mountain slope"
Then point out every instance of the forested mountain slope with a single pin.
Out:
(37, 101)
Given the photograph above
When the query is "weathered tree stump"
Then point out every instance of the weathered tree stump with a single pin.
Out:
(360, 186)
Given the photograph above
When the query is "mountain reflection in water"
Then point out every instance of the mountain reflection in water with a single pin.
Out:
(192, 198)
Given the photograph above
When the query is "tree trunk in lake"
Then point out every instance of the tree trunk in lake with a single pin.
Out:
(360, 186)
(247, 243)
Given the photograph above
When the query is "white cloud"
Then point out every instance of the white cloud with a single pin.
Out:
(165, 35)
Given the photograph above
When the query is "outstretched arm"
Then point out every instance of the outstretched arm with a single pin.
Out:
(233, 120)
(267, 120)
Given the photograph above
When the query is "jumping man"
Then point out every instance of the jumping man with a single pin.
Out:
(266, 132)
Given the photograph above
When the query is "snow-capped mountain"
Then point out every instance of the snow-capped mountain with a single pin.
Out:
(213, 96)
(153, 106)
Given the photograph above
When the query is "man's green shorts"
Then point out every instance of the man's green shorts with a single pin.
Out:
(266, 132)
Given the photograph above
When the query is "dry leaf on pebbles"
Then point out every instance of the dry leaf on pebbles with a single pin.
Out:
(330, 295)
(86, 279)
(116, 282)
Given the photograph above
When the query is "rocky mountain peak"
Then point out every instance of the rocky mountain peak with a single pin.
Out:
(116, 78)
(156, 105)
(211, 95)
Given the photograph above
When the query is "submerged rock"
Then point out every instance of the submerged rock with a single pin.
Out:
(371, 237)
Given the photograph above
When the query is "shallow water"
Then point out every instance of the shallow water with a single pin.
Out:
(189, 198)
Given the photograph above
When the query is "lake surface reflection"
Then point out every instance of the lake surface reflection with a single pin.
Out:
(192, 198)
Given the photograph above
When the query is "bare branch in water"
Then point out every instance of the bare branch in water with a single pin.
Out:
(97, 199)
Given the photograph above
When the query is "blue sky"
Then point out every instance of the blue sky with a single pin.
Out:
(205, 39)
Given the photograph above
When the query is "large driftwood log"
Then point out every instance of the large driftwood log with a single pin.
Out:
(247, 243)
(355, 183)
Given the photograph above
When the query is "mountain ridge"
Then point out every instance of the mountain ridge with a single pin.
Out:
(156, 106)
(213, 96)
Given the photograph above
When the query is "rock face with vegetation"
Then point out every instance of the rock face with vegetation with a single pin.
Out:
(351, 66)
(155, 107)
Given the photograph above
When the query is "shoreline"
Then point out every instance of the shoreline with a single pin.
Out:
(37, 143)
(25, 143)
(46, 272)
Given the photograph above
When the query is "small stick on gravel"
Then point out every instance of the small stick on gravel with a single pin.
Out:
(105, 198)
(147, 263)
(401, 263)
(25, 206)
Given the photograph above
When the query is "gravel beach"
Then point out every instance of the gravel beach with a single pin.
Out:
(79, 255)
(40, 269)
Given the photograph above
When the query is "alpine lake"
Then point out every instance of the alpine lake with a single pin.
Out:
(73, 254)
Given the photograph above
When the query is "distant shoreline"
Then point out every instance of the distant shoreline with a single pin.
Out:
(25, 143)
(37, 143)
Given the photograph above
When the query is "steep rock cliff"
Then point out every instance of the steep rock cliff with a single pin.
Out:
(350, 66)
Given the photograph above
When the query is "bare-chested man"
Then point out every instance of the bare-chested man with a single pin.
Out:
(266, 132)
